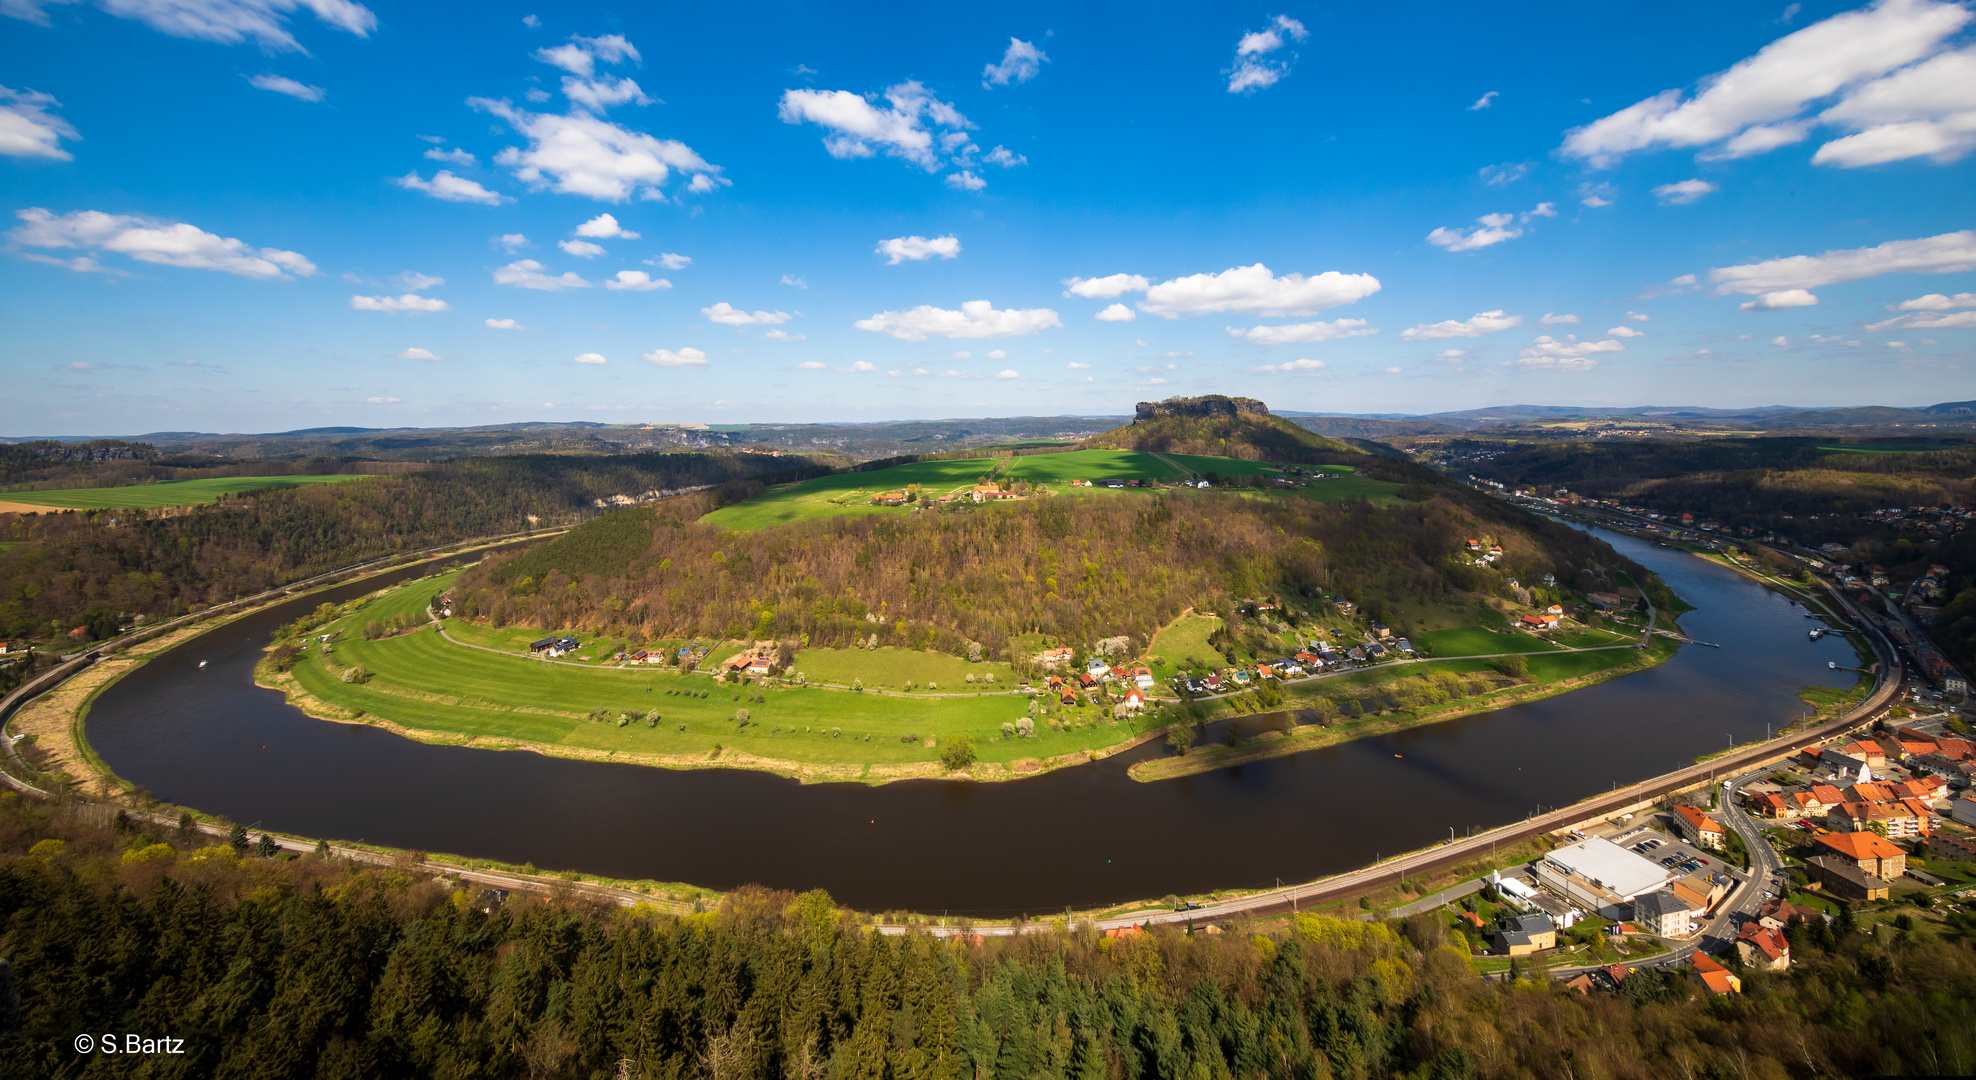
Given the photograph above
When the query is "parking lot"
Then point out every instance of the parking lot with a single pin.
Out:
(1672, 853)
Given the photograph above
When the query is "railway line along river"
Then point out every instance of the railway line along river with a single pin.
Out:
(207, 737)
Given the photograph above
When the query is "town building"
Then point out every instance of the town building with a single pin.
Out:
(1663, 914)
(1526, 934)
(1698, 828)
(1599, 875)
(1845, 879)
(1715, 978)
(1763, 948)
(1869, 853)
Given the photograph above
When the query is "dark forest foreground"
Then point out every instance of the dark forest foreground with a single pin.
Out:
(266, 968)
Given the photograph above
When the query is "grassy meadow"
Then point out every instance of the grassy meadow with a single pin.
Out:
(421, 681)
(1091, 465)
(848, 493)
(164, 494)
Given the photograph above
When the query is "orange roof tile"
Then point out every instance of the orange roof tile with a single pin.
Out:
(1861, 845)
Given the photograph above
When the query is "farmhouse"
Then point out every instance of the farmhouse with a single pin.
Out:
(1698, 828)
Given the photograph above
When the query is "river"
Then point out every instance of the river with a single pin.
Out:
(207, 737)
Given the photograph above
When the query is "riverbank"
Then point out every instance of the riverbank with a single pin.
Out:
(1299, 738)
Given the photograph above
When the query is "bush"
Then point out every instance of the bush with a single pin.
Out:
(959, 753)
(1514, 665)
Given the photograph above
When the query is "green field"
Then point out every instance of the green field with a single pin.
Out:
(851, 493)
(1477, 641)
(1090, 465)
(160, 495)
(1183, 639)
(420, 680)
(847, 493)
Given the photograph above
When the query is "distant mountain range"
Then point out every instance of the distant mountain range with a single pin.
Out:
(863, 441)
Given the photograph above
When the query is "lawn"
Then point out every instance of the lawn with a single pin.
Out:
(1343, 488)
(1186, 638)
(420, 680)
(1477, 641)
(848, 493)
(159, 495)
(892, 669)
(1092, 465)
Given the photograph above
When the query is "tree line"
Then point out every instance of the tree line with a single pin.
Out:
(97, 568)
(314, 967)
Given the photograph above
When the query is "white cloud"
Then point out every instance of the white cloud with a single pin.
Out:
(1542, 209)
(1450, 356)
(1683, 192)
(686, 357)
(975, 319)
(26, 129)
(589, 358)
(1486, 322)
(416, 353)
(417, 282)
(1003, 156)
(228, 22)
(1177, 352)
(728, 315)
(580, 56)
(1947, 253)
(150, 240)
(283, 85)
(599, 95)
(1105, 288)
(1897, 111)
(1782, 298)
(444, 185)
(1256, 66)
(1008, 373)
(382, 400)
(636, 281)
(783, 335)
(531, 21)
(1596, 195)
(1117, 313)
(582, 249)
(998, 354)
(513, 241)
(1155, 382)
(1555, 320)
(1959, 320)
(1304, 333)
(861, 128)
(504, 324)
(1506, 173)
(965, 181)
(605, 227)
(580, 154)
(671, 261)
(1020, 63)
(1485, 101)
(1623, 331)
(1255, 290)
(1490, 229)
(1567, 355)
(861, 367)
(81, 264)
(1290, 368)
(527, 274)
(1075, 366)
(1937, 302)
(794, 282)
(1150, 368)
(410, 303)
(812, 365)
(1638, 317)
(918, 248)
(961, 355)
(1780, 341)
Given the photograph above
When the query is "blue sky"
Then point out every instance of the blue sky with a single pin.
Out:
(253, 215)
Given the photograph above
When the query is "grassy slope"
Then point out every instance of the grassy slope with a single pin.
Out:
(1091, 465)
(1476, 641)
(419, 680)
(1186, 637)
(167, 493)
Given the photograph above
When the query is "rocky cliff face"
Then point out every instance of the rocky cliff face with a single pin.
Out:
(1209, 405)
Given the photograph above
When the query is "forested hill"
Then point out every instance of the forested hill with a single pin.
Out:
(96, 569)
(1218, 426)
(313, 968)
(1076, 568)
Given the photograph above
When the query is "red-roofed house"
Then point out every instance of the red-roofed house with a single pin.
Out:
(1761, 947)
(1772, 806)
(1699, 829)
(1826, 796)
(1716, 977)
(1870, 852)
(1868, 793)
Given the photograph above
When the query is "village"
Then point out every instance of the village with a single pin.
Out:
(1719, 881)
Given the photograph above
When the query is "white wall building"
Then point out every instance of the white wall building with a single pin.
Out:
(1599, 875)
